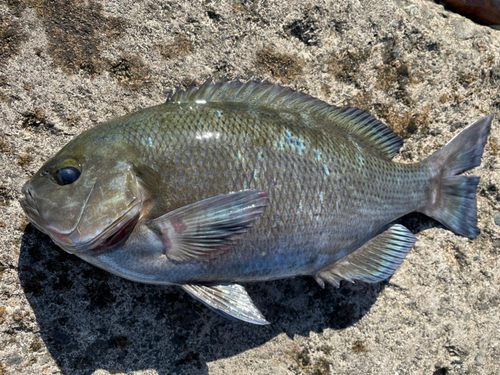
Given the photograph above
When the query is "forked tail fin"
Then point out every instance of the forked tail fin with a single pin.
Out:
(453, 197)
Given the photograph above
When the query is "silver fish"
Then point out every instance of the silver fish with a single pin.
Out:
(241, 182)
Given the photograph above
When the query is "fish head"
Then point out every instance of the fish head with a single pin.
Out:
(84, 202)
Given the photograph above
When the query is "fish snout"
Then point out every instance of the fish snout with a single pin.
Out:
(29, 196)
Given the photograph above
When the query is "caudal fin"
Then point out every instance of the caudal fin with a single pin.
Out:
(453, 200)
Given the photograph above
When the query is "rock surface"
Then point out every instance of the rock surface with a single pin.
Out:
(427, 73)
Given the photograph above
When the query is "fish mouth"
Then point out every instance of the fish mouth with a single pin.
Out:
(29, 207)
(28, 203)
(112, 235)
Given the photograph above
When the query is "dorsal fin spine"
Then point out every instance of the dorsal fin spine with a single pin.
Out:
(205, 87)
(359, 123)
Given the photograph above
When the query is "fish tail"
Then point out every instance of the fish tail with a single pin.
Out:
(452, 199)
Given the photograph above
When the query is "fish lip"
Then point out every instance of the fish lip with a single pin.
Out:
(29, 201)
(27, 207)
(65, 242)
(32, 213)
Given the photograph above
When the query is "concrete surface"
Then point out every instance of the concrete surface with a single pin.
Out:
(426, 72)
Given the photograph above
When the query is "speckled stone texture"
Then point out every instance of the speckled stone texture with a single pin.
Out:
(424, 71)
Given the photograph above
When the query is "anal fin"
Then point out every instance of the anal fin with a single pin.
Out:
(230, 301)
(375, 261)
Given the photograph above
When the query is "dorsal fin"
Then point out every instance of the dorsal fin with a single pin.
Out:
(366, 128)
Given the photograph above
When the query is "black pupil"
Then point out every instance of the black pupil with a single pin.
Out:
(67, 175)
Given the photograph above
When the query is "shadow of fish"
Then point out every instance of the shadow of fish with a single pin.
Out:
(240, 182)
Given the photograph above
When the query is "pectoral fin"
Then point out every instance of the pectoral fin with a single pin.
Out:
(375, 261)
(231, 301)
(205, 229)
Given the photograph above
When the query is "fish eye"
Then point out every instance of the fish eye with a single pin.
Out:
(67, 175)
(67, 172)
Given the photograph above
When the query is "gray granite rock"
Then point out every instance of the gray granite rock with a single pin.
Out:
(427, 73)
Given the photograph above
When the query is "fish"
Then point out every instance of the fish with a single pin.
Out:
(235, 182)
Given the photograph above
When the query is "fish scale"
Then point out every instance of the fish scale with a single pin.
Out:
(302, 175)
(236, 182)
